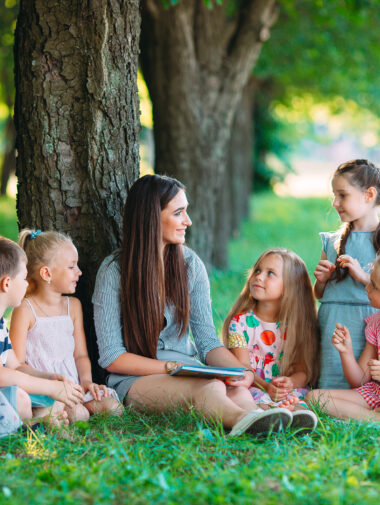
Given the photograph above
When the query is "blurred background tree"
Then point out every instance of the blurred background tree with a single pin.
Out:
(320, 53)
(8, 14)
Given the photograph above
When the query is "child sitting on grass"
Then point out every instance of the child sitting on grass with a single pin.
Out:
(272, 330)
(363, 401)
(47, 329)
(29, 392)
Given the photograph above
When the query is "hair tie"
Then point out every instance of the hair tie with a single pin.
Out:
(34, 234)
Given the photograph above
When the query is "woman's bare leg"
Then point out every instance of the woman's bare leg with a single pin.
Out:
(209, 396)
(242, 398)
(345, 403)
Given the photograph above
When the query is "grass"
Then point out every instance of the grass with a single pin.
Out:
(8, 218)
(178, 458)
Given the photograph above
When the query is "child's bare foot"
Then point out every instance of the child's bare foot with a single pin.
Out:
(54, 416)
(109, 405)
(290, 402)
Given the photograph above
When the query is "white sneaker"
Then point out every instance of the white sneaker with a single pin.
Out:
(304, 419)
(262, 421)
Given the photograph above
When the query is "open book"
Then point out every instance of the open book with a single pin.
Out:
(211, 372)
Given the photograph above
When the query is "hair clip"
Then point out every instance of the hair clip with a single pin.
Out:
(34, 234)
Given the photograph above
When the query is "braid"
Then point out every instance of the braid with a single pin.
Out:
(341, 273)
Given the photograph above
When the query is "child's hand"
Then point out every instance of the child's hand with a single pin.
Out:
(354, 268)
(67, 392)
(374, 369)
(275, 392)
(95, 389)
(323, 271)
(341, 339)
(283, 383)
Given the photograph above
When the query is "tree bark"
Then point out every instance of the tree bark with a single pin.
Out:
(77, 122)
(196, 62)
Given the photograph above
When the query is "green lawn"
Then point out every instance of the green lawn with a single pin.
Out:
(8, 219)
(178, 458)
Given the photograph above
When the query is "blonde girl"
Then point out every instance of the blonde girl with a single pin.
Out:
(346, 261)
(272, 329)
(47, 328)
(363, 401)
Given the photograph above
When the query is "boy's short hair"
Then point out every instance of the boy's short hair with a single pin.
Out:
(11, 255)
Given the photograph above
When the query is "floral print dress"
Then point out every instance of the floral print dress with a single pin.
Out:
(265, 344)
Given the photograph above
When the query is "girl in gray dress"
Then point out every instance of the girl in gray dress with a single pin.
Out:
(346, 261)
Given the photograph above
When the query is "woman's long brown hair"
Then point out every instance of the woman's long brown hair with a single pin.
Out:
(362, 174)
(149, 277)
(297, 315)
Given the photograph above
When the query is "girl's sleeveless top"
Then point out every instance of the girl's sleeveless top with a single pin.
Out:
(50, 344)
(344, 302)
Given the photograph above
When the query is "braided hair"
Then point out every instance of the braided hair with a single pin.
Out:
(362, 174)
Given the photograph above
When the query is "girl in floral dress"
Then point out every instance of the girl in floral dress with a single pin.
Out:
(272, 329)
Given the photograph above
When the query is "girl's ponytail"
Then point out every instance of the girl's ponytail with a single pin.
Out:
(341, 273)
(24, 238)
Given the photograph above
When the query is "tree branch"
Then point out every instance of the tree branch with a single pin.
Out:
(252, 30)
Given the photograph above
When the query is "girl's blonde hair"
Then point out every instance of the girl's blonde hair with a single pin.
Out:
(40, 248)
(297, 315)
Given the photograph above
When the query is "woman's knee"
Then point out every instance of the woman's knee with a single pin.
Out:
(24, 404)
(239, 392)
(205, 387)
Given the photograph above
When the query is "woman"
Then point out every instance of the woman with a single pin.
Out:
(146, 297)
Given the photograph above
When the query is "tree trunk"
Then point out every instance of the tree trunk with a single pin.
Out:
(196, 62)
(77, 122)
(233, 205)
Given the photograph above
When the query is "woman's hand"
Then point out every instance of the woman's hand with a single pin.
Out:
(354, 268)
(374, 369)
(283, 382)
(323, 271)
(95, 390)
(341, 339)
(249, 378)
